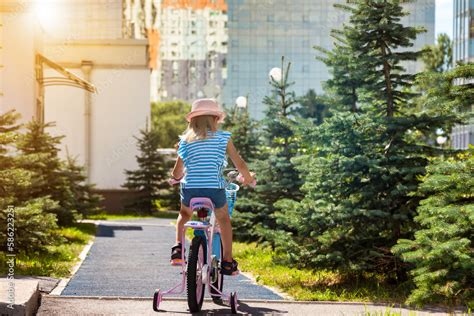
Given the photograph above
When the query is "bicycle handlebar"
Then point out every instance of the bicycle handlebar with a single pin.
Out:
(233, 175)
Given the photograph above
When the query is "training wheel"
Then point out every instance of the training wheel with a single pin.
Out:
(233, 302)
(156, 300)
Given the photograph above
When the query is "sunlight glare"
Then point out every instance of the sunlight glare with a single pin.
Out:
(48, 14)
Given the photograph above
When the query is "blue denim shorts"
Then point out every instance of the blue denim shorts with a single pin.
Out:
(217, 196)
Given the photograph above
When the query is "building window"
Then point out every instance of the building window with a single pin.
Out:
(235, 68)
(305, 68)
(270, 18)
(234, 43)
(270, 44)
(471, 35)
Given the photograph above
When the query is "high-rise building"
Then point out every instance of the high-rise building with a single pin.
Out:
(188, 45)
(463, 28)
(261, 31)
(463, 51)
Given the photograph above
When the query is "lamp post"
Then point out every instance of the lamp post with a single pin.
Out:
(441, 140)
(241, 102)
(275, 74)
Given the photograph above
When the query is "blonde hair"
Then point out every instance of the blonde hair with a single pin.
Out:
(199, 126)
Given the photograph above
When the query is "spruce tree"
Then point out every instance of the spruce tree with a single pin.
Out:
(35, 226)
(85, 201)
(439, 57)
(244, 132)
(313, 107)
(151, 175)
(348, 73)
(361, 168)
(41, 157)
(275, 171)
(441, 251)
(382, 43)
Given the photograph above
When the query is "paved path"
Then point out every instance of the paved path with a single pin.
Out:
(65, 306)
(130, 258)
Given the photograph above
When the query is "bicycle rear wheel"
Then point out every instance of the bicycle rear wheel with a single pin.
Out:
(195, 286)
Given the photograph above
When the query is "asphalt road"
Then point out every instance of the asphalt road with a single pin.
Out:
(65, 306)
(130, 258)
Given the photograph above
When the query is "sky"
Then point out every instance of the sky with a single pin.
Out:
(444, 17)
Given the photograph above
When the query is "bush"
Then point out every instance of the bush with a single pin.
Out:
(442, 251)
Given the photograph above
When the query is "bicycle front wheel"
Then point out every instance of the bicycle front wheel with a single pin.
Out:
(195, 286)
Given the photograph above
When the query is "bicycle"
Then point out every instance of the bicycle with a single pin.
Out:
(203, 267)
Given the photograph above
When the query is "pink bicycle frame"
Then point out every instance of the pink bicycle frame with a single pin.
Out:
(209, 230)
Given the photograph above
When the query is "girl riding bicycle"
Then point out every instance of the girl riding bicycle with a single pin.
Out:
(201, 160)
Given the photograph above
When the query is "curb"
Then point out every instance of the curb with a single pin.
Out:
(19, 297)
(287, 297)
(64, 281)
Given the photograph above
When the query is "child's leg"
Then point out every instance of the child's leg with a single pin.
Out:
(185, 214)
(223, 218)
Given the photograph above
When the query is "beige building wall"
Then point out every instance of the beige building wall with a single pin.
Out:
(19, 39)
(91, 46)
(119, 109)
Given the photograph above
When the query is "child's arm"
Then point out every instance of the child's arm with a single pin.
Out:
(178, 170)
(239, 163)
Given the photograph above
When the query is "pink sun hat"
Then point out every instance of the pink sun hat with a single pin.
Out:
(205, 107)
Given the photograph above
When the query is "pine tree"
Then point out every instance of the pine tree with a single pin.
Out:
(244, 132)
(41, 157)
(276, 172)
(151, 175)
(439, 57)
(381, 43)
(313, 107)
(34, 224)
(361, 167)
(442, 249)
(14, 180)
(85, 201)
(348, 73)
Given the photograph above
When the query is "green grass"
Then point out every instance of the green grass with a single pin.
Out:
(131, 215)
(313, 285)
(60, 259)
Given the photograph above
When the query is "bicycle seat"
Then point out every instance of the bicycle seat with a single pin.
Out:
(201, 202)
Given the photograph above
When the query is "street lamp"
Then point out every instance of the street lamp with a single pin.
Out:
(276, 74)
(241, 102)
(441, 140)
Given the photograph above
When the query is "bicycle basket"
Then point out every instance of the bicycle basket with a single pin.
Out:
(231, 194)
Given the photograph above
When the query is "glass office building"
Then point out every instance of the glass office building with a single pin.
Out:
(261, 31)
(463, 28)
(463, 51)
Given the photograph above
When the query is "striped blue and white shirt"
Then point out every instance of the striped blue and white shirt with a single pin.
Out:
(204, 161)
